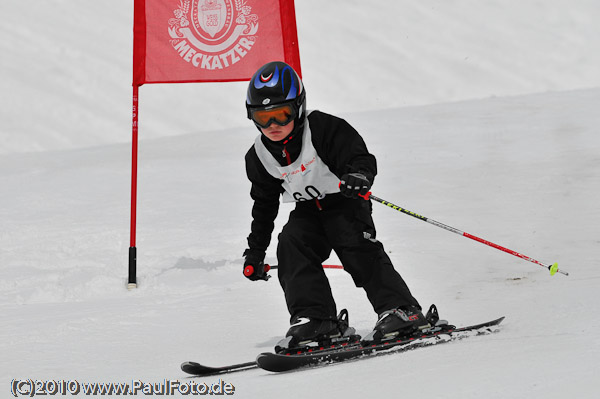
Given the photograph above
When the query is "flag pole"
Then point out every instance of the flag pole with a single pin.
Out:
(132, 281)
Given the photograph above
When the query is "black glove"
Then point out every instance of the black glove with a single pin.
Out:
(254, 266)
(354, 184)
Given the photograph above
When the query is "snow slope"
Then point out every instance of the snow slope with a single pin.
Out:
(520, 170)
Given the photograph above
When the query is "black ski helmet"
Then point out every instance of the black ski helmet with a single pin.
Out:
(273, 84)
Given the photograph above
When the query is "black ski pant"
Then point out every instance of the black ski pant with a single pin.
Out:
(346, 226)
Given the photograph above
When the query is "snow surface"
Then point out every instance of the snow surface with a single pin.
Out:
(483, 116)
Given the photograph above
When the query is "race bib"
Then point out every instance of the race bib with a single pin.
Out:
(307, 178)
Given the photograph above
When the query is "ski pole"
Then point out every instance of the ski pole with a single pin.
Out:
(553, 268)
(249, 270)
(273, 267)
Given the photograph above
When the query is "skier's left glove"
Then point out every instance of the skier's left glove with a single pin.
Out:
(254, 266)
(354, 184)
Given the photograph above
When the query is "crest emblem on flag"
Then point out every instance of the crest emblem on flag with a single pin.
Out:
(213, 34)
(211, 16)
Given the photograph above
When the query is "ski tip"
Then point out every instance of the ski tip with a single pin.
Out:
(187, 366)
(198, 369)
(497, 321)
(263, 355)
(262, 360)
(276, 363)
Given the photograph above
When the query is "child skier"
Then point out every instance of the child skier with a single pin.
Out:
(322, 164)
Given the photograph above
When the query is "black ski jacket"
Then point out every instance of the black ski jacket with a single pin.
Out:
(337, 143)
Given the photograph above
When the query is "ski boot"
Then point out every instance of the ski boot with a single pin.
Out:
(308, 334)
(397, 323)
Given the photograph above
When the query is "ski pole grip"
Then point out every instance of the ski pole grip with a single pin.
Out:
(248, 270)
(366, 196)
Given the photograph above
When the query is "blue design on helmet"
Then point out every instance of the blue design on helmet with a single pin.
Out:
(270, 80)
(293, 92)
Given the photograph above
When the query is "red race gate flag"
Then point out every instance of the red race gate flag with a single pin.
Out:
(211, 40)
(182, 41)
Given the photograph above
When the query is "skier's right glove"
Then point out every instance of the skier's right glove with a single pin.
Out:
(254, 266)
(354, 184)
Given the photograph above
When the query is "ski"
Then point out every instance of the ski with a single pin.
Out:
(280, 362)
(337, 353)
(202, 370)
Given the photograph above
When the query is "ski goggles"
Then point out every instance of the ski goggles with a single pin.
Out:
(280, 115)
